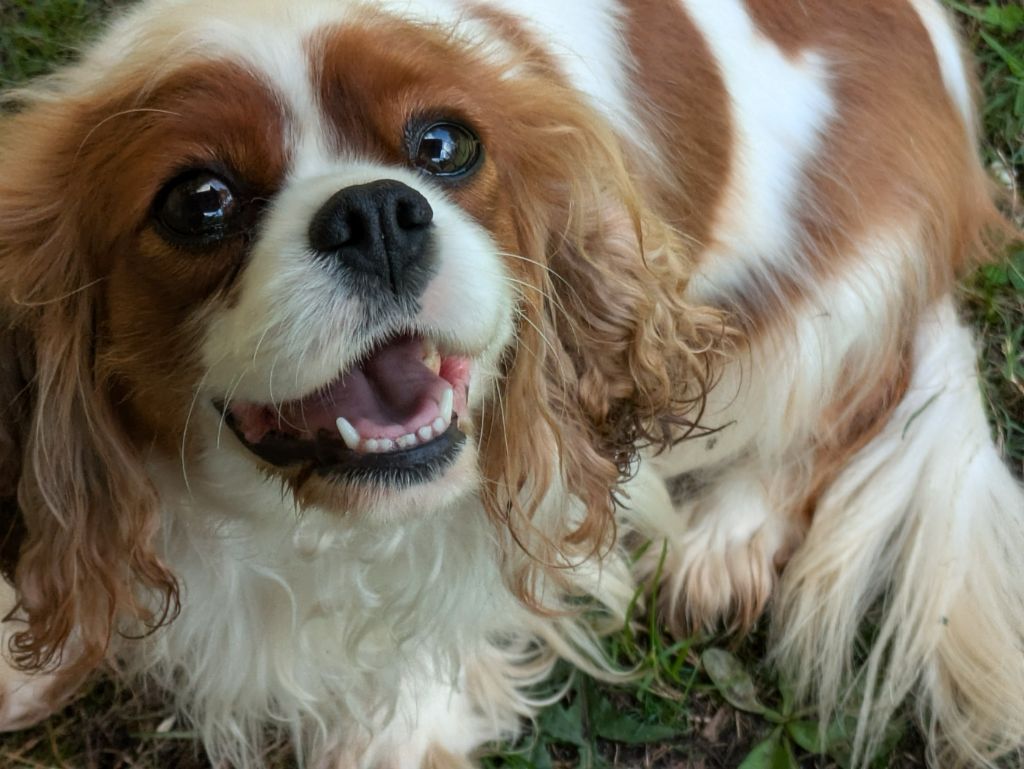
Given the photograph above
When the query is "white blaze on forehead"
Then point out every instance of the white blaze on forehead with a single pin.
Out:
(278, 39)
(265, 34)
(781, 107)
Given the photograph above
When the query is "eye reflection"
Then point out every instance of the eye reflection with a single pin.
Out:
(447, 150)
(197, 207)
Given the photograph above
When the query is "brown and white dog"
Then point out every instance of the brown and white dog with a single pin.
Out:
(338, 333)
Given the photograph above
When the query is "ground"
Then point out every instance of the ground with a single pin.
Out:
(694, 705)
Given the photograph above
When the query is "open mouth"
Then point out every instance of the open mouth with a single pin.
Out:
(390, 418)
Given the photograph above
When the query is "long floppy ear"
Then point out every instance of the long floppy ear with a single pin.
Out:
(87, 507)
(610, 356)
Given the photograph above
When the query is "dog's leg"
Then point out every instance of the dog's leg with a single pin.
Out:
(926, 523)
(718, 548)
(910, 513)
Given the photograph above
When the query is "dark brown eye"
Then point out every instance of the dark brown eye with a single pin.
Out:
(197, 208)
(447, 150)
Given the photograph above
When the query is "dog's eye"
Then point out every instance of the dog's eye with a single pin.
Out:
(197, 208)
(447, 150)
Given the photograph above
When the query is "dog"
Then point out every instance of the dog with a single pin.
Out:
(348, 343)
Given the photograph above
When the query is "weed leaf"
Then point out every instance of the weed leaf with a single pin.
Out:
(563, 725)
(774, 753)
(540, 757)
(732, 681)
(806, 734)
(615, 726)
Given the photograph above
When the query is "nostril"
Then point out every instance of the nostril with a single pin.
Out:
(351, 230)
(337, 235)
(337, 227)
(413, 212)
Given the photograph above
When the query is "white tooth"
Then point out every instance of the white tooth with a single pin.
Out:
(387, 446)
(440, 425)
(407, 441)
(448, 403)
(349, 434)
(373, 446)
(425, 433)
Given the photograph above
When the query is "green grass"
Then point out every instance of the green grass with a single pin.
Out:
(37, 34)
(995, 295)
(689, 705)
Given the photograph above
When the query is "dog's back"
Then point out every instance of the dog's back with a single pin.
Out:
(822, 159)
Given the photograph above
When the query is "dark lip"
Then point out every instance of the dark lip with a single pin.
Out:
(329, 457)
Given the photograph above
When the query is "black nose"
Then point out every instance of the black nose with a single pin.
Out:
(379, 231)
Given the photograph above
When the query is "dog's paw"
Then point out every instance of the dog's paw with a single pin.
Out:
(718, 564)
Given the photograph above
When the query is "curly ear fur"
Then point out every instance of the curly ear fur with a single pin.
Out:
(88, 508)
(610, 357)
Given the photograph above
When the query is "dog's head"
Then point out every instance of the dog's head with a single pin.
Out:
(384, 261)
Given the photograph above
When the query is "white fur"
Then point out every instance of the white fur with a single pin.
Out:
(585, 40)
(369, 642)
(340, 629)
(769, 400)
(724, 539)
(780, 108)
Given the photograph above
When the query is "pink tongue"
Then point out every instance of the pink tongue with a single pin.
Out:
(390, 395)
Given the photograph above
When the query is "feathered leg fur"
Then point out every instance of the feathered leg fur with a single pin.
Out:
(927, 523)
(921, 531)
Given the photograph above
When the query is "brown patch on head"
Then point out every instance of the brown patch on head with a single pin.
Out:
(103, 310)
(684, 102)
(112, 156)
(218, 117)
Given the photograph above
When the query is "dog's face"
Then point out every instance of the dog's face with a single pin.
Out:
(386, 262)
(332, 264)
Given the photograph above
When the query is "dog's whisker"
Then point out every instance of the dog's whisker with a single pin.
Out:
(197, 390)
(228, 399)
